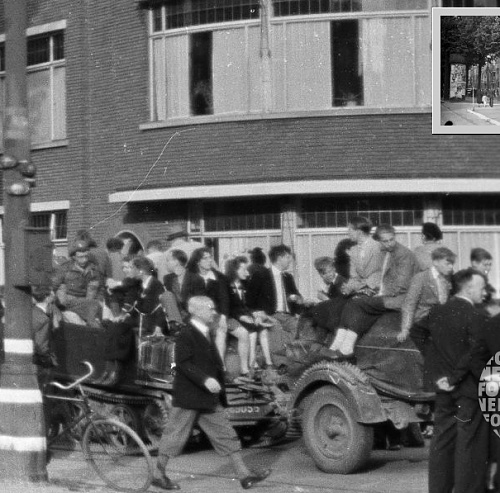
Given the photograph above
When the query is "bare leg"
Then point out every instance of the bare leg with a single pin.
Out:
(252, 336)
(264, 344)
(220, 341)
(243, 347)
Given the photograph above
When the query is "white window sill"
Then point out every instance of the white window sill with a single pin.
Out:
(344, 111)
(48, 145)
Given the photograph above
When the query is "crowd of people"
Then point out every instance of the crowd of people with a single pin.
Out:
(449, 319)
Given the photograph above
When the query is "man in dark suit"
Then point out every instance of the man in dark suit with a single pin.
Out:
(199, 397)
(173, 282)
(459, 447)
(273, 290)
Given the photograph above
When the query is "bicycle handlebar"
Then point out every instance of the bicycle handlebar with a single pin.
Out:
(78, 381)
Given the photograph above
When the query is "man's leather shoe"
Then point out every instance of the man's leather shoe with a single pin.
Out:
(254, 478)
(335, 355)
(165, 483)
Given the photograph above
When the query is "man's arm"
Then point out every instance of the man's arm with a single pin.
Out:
(184, 360)
(404, 268)
(411, 302)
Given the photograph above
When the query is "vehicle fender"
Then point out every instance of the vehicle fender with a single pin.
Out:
(350, 380)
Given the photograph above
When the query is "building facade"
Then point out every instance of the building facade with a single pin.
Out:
(250, 123)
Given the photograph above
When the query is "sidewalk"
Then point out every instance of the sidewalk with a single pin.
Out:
(467, 113)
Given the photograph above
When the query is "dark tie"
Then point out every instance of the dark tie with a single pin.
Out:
(283, 293)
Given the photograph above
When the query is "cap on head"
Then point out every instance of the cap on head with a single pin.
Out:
(79, 246)
(176, 231)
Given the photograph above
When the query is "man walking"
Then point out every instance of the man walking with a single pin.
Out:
(459, 448)
(199, 397)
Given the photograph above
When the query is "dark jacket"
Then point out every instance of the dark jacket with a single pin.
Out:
(486, 346)
(217, 291)
(148, 307)
(454, 329)
(261, 291)
(196, 359)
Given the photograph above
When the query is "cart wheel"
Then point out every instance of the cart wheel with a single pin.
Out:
(125, 414)
(334, 439)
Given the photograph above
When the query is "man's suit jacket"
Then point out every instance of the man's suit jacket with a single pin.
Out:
(486, 346)
(196, 359)
(365, 271)
(422, 295)
(401, 268)
(262, 294)
(217, 291)
(454, 328)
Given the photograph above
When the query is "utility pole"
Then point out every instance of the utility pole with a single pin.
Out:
(22, 434)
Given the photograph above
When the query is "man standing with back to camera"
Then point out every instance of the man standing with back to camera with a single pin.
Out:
(199, 397)
(459, 448)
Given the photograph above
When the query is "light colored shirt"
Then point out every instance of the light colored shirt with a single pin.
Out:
(281, 304)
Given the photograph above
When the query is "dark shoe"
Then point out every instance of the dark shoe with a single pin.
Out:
(256, 477)
(165, 483)
(335, 355)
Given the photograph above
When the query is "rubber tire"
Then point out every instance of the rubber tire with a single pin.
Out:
(135, 446)
(344, 449)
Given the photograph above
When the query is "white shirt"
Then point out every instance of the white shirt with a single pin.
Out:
(280, 289)
(201, 327)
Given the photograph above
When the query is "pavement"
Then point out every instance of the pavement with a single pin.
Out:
(469, 113)
(200, 471)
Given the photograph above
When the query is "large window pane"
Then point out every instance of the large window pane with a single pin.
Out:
(39, 100)
(201, 74)
(470, 210)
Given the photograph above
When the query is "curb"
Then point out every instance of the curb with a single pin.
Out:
(483, 117)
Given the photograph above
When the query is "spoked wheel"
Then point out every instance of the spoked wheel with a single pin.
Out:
(335, 440)
(125, 414)
(117, 455)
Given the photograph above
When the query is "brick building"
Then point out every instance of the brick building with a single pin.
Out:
(249, 122)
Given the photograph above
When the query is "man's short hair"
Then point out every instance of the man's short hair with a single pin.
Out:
(464, 277)
(143, 264)
(432, 232)
(479, 254)
(196, 302)
(155, 244)
(257, 256)
(279, 251)
(322, 263)
(361, 223)
(441, 253)
(180, 256)
(114, 244)
(384, 228)
(80, 246)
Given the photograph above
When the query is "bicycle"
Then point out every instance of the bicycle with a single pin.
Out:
(115, 451)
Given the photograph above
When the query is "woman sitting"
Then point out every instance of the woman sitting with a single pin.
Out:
(202, 280)
(237, 273)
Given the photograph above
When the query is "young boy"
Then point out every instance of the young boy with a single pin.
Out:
(427, 288)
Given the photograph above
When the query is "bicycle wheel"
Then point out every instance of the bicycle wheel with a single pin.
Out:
(117, 455)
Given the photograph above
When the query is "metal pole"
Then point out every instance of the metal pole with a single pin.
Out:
(22, 434)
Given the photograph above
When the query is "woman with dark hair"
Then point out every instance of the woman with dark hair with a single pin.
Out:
(341, 258)
(431, 238)
(237, 273)
(201, 279)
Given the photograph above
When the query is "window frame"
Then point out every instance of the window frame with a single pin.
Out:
(50, 30)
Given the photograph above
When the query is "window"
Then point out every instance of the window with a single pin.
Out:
(201, 74)
(179, 13)
(56, 221)
(347, 76)
(305, 7)
(471, 211)
(242, 215)
(46, 86)
(331, 212)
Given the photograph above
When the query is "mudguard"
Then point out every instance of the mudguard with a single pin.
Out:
(349, 380)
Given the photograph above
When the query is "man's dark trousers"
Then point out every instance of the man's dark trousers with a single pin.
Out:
(459, 448)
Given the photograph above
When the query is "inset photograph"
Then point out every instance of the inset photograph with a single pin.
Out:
(465, 70)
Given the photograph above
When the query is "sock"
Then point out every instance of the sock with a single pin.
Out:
(347, 346)
(161, 463)
(338, 339)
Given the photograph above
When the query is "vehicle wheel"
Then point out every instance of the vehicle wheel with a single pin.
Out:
(154, 417)
(125, 414)
(334, 439)
(75, 412)
(117, 455)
